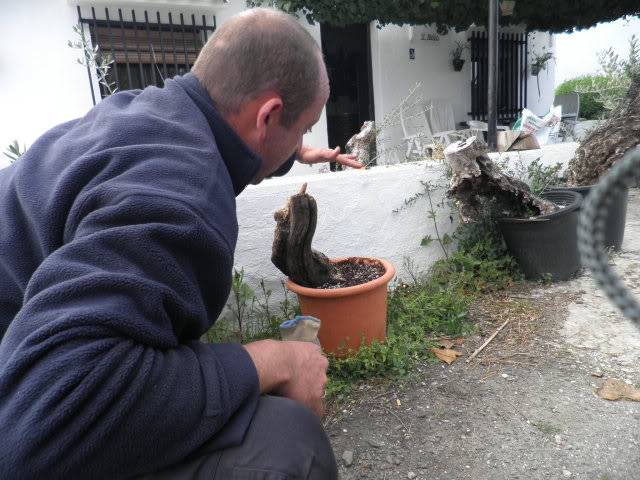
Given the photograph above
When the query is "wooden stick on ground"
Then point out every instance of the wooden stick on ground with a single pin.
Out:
(481, 347)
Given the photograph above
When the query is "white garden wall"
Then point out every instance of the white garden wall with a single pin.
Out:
(355, 214)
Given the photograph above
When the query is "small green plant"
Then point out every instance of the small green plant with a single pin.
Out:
(415, 312)
(536, 175)
(14, 152)
(243, 300)
(541, 177)
(94, 58)
(428, 188)
(288, 308)
(252, 315)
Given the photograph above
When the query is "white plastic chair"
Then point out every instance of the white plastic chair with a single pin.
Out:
(416, 131)
(441, 119)
(570, 103)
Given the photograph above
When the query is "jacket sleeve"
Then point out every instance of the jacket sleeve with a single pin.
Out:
(100, 372)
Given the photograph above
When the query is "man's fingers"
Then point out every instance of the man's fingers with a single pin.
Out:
(348, 161)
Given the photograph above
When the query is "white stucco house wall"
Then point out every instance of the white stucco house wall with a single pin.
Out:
(42, 85)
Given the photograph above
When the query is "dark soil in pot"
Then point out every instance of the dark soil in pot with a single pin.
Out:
(546, 246)
(356, 271)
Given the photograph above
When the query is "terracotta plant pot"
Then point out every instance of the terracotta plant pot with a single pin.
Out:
(350, 316)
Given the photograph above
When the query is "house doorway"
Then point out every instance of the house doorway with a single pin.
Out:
(347, 52)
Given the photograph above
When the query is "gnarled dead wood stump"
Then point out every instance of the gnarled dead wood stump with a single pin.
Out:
(363, 144)
(608, 143)
(477, 183)
(292, 253)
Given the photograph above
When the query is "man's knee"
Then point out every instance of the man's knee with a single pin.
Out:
(292, 423)
(288, 437)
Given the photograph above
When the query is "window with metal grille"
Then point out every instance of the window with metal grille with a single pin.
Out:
(145, 51)
(512, 75)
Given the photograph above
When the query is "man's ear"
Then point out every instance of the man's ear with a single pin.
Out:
(268, 114)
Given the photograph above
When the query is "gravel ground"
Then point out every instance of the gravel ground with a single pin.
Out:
(525, 408)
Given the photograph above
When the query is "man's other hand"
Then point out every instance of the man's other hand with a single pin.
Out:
(309, 155)
(296, 370)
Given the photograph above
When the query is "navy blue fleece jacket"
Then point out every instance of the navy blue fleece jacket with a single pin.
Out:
(117, 233)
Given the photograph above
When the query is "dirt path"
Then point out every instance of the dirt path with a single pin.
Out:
(526, 409)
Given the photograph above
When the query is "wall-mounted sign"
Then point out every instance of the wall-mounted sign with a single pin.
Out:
(430, 37)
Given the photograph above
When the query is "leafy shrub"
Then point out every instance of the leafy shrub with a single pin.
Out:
(590, 107)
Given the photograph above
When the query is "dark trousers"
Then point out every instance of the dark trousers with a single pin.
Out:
(285, 441)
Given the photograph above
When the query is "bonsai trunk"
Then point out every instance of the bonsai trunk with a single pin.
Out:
(363, 144)
(606, 144)
(292, 253)
(477, 183)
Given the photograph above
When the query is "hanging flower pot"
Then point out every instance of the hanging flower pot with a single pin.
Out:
(456, 55)
(506, 7)
(535, 70)
(350, 316)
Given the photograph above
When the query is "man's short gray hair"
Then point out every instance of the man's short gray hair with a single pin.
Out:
(257, 51)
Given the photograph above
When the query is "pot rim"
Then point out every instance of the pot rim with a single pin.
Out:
(575, 205)
(385, 278)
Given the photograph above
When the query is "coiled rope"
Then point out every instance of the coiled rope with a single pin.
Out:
(591, 232)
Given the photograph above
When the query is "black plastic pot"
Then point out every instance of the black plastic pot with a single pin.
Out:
(458, 63)
(614, 228)
(546, 246)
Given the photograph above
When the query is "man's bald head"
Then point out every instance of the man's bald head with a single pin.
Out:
(258, 51)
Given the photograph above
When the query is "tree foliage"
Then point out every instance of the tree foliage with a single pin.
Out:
(547, 15)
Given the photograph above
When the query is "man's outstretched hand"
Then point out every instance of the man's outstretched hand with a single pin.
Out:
(296, 370)
(310, 155)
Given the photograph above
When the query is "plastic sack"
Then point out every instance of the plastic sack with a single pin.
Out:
(301, 328)
(531, 124)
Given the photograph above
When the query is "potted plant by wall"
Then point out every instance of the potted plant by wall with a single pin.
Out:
(507, 7)
(456, 55)
(539, 230)
(348, 295)
(539, 61)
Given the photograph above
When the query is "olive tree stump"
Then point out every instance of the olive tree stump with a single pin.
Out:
(363, 143)
(608, 143)
(477, 184)
(292, 253)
